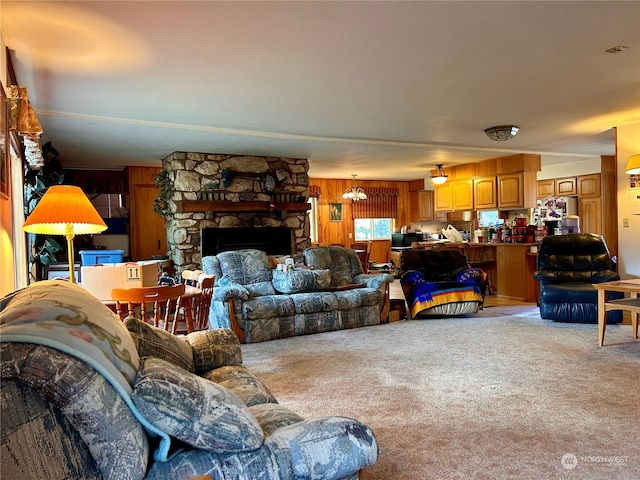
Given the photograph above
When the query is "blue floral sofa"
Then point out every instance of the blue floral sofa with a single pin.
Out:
(440, 283)
(327, 291)
(87, 396)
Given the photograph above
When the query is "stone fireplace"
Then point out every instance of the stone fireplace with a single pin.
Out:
(244, 193)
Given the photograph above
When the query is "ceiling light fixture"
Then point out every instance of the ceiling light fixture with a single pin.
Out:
(354, 193)
(438, 177)
(633, 165)
(501, 133)
(617, 49)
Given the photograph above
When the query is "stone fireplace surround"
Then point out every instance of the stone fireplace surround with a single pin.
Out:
(228, 191)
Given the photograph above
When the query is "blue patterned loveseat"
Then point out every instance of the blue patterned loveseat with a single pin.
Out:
(330, 292)
(84, 395)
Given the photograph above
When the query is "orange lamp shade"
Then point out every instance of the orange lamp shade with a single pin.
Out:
(62, 207)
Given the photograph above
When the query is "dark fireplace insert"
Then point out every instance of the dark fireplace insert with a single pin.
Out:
(272, 240)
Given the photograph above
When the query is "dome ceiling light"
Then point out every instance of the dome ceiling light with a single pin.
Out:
(438, 177)
(501, 133)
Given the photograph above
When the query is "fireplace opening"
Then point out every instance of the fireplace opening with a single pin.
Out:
(272, 240)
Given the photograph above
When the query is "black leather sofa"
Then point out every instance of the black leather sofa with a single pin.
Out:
(567, 268)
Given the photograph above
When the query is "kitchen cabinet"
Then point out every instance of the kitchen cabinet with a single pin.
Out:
(422, 205)
(484, 193)
(443, 197)
(588, 185)
(590, 214)
(462, 192)
(514, 273)
(565, 187)
(517, 190)
(147, 234)
(546, 188)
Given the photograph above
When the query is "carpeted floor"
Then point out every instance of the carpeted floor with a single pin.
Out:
(491, 396)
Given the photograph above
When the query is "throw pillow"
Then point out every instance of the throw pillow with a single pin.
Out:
(153, 342)
(194, 410)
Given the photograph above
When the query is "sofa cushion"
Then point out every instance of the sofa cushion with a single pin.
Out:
(246, 386)
(154, 342)
(343, 263)
(245, 266)
(301, 280)
(260, 289)
(193, 409)
(214, 349)
(267, 306)
(314, 302)
(357, 297)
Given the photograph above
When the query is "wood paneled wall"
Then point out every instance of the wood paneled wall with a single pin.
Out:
(331, 191)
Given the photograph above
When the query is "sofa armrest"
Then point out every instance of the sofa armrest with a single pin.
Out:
(373, 281)
(230, 291)
(214, 349)
(328, 448)
(544, 276)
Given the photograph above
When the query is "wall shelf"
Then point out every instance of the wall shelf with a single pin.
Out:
(223, 206)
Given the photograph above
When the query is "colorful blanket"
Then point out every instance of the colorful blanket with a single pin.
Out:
(66, 317)
(422, 295)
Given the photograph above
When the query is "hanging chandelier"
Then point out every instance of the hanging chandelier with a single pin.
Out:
(438, 177)
(354, 193)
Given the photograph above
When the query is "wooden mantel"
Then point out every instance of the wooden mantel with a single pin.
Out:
(224, 206)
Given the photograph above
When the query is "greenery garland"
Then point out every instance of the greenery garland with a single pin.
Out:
(167, 189)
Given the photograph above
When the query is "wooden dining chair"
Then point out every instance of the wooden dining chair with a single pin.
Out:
(363, 250)
(195, 305)
(165, 300)
(203, 304)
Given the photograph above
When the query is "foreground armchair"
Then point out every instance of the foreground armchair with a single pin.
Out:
(87, 396)
(568, 266)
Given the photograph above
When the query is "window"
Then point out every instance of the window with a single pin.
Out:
(373, 228)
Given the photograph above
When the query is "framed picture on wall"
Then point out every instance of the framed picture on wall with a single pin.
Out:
(5, 147)
(335, 212)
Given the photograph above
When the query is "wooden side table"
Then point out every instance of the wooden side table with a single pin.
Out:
(630, 304)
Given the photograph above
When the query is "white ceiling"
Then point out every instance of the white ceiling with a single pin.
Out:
(382, 89)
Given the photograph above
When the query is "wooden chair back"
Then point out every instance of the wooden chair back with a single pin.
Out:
(363, 249)
(191, 277)
(163, 298)
(201, 315)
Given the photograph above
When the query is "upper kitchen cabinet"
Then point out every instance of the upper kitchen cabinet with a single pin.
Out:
(565, 187)
(444, 197)
(517, 190)
(589, 185)
(462, 191)
(485, 193)
(546, 188)
(421, 205)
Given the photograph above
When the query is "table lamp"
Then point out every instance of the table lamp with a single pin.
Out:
(65, 210)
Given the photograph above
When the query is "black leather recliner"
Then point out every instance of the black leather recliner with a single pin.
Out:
(568, 266)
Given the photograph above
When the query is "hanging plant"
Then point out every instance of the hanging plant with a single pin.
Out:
(165, 194)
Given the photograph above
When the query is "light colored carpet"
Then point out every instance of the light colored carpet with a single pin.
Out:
(491, 396)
